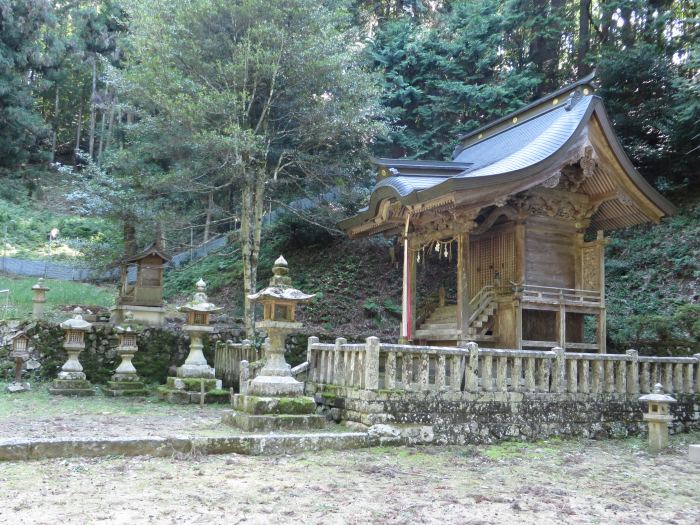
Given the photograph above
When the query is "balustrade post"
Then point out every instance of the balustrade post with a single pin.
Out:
(597, 377)
(668, 378)
(502, 374)
(583, 371)
(697, 373)
(632, 371)
(338, 363)
(486, 373)
(678, 378)
(310, 356)
(530, 374)
(351, 370)
(543, 375)
(471, 370)
(609, 380)
(572, 376)
(645, 378)
(688, 378)
(440, 372)
(559, 377)
(424, 375)
(407, 370)
(621, 377)
(390, 370)
(515, 372)
(456, 373)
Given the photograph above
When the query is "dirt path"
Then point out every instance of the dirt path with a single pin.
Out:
(548, 482)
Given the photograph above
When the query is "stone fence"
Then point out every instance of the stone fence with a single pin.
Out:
(472, 394)
(374, 365)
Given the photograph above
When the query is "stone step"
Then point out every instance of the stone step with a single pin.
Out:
(438, 326)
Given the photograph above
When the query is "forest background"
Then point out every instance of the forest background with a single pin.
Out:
(121, 118)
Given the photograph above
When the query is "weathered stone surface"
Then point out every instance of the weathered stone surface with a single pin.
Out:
(18, 388)
(694, 453)
(270, 423)
(71, 387)
(253, 444)
(125, 388)
(274, 405)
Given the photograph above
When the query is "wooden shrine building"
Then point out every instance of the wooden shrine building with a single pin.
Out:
(524, 203)
(141, 287)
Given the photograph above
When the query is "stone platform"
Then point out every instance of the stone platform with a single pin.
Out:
(249, 444)
(71, 387)
(257, 414)
(184, 390)
(125, 388)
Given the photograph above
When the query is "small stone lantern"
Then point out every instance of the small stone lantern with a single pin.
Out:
(71, 380)
(198, 311)
(20, 353)
(274, 400)
(658, 416)
(39, 291)
(125, 381)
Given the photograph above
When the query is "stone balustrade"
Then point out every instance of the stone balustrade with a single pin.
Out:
(375, 365)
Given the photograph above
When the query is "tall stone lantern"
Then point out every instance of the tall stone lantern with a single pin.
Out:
(71, 380)
(198, 311)
(39, 299)
(126, 381)
(274, 399)
(20, 353)
(658, 417)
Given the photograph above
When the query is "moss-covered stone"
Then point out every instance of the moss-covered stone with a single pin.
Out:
(192, 384)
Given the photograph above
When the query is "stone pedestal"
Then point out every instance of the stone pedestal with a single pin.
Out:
(126, 381)
(145, 315)
(196, 364)
(17, 388)
(39, 299)
(266, 414)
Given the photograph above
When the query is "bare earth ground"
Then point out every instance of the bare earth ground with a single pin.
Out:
(554, 481)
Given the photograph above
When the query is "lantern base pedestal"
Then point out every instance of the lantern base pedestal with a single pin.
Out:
(276, 386)
(182, 391)
(195, 371)
(71, 387)
(116, 388)
(263, 414)
(148, 315)
(17, 388)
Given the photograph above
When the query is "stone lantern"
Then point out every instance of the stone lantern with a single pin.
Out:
(125, 381)
(658, 416)
(71, 379)
(198, 311)
(20, 353)
(195, 377)
(39, 299)
(274, 399)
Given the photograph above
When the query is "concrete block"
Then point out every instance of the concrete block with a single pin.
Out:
(694, 453)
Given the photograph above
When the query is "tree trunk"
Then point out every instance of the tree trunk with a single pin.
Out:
(251, 230)
(55, 127)
(207, 220)
(77, 135)
(93, 109)
(584, 38)
(110, 125)
(129, 239)
(103, 127)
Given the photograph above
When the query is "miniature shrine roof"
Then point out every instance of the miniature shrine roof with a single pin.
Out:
(153, 249)
(516, 153)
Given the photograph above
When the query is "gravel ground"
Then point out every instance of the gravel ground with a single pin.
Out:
(577, 481)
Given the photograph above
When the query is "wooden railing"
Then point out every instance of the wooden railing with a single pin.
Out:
(373, 365)
(550, 294)
(227, 359)
(479, 302)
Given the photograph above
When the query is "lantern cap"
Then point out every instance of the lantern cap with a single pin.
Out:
(200, 301)
(77, 322)
(17, 335)
(280, 287)
(40, 285)
(657, 396)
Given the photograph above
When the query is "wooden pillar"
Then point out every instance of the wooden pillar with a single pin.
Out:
(520, 280)
(602, 321)
(408, 302)
(518, 325)
(463, 284)
(561, 322)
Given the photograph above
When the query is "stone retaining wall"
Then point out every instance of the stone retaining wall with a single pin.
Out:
(462, 417)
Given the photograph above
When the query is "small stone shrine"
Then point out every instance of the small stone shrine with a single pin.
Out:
(71, 379)
(141, 287)
(195, 376)
(39, 299)
(274, 399)
(125, 381)
(658, 416)
(20, 353)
